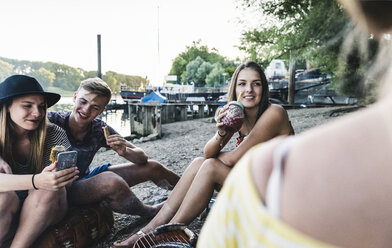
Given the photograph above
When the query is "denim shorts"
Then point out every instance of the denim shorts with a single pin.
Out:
(96, 171)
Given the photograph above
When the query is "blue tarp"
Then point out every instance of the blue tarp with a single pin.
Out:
(154, 96)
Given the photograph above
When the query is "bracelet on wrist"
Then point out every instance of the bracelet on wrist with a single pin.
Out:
(221, 134)
(32, 182)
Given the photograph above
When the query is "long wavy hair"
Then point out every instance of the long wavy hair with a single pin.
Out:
(371, 19)
(37, 140)
(264, 102)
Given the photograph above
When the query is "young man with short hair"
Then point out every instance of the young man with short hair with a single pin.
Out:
(110, 183)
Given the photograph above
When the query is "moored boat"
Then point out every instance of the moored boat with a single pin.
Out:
(177, 93)
(132, 96)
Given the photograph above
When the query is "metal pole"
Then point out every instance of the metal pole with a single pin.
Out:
(159, 69)
(99, 74)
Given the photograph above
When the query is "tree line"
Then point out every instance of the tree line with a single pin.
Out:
(202, 66)
(64, 77)
(312, 31)
(300, 32)
(297, 31)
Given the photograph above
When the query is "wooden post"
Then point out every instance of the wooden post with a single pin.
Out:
(291, 93)
(191, 107)
(158, 120)
(164, 114)
(183, 114)
(201, 111)
(146, 119)
(212, 109)
(171, 113)
(130, 114)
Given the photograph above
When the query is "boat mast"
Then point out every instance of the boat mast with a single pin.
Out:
(159, 58)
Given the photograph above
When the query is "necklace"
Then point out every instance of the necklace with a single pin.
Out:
(248, 126)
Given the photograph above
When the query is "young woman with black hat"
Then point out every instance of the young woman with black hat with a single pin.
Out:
(32, 192)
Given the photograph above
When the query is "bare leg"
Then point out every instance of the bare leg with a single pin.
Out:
(173, 202)
(212, 173)
(153, 170)
(41, 209)
(9, 205)
(112, 188)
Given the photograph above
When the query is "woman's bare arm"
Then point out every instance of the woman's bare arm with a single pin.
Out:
(273, 122)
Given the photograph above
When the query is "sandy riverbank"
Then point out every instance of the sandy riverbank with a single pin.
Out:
(180, 144)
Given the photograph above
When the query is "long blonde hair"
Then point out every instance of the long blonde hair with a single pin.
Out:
(37, 140)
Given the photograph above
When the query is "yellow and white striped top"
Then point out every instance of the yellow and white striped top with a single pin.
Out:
(239, 218)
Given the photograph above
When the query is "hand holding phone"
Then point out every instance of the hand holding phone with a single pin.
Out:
(66, 160)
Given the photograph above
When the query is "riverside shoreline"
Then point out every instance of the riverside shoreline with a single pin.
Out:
(180, 144)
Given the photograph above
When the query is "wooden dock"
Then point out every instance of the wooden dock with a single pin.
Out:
(147, 118)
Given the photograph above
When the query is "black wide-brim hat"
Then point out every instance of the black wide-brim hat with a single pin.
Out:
(19, 85)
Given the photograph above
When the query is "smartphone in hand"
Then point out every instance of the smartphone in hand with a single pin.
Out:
(66, 160)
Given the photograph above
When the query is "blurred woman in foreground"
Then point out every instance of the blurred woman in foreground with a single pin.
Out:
(330, 186)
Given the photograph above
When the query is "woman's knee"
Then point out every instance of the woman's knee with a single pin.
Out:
(45, 197)
(212, 167)
(9, 203)
(210, 164)
(196, 164)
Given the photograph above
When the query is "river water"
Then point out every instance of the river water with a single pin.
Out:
(117, 119)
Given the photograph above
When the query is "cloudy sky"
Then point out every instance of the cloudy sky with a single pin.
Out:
(65, 31)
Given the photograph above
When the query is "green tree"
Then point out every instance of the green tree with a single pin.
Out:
(181, 62)
(308, 29)
(312, 30)
(191, 72)
(203, 71)
(111, 80)
(215, 77)
(178, 66)
(44, 76)
(89, 74)
(6, 70)
(66, 77)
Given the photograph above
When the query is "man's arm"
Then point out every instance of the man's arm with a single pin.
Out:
(126, 149)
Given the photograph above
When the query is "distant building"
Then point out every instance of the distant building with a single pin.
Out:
(177, 88)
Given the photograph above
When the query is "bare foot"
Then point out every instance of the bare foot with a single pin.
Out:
(163, 217)
(129, 242)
